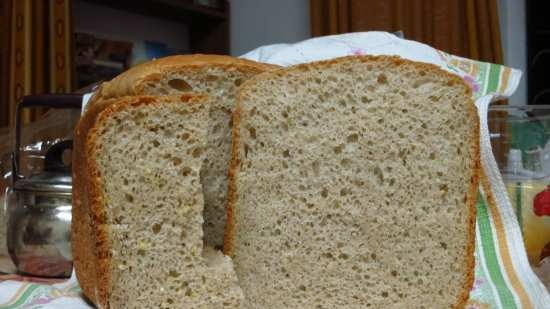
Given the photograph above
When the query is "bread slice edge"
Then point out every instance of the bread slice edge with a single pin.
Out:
(89, 214)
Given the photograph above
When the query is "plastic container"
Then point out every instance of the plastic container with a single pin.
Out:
(520, 137)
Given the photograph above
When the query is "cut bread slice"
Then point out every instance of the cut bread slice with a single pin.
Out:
(137, 233)
(219, 77)
(352, 185)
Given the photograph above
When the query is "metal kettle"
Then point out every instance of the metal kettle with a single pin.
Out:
(39, 206)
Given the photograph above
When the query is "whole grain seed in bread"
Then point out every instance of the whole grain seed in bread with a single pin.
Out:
(352, 185)
(218, 76)
(137, 232)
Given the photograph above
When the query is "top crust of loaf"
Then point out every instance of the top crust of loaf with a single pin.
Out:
(132, 81)
(90, 245)
(390, 61)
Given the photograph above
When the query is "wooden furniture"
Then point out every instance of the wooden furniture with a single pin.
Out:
(208, 27)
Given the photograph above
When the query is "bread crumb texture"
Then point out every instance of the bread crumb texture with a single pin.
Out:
(149, 157)
(221, 83)
(354, 186)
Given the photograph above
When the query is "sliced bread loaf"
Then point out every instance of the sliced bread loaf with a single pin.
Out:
(137, 220)
(218, 76)
(352, 185)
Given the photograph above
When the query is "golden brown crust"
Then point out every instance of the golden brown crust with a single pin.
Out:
(470, 199)
(471, 202)
(232, 186)
(393, 60)
(83, 238)
(133, 81)
(90, 235)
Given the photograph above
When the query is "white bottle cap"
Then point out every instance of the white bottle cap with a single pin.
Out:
(514, 161)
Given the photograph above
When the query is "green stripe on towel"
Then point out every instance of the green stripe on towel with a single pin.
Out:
(29, 289)
(490, 254)
(494, 77)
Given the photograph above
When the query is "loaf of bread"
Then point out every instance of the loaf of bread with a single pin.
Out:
(352, 185)
(219, 77)
(137, 231)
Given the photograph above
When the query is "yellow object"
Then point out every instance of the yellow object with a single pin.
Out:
(535, 229)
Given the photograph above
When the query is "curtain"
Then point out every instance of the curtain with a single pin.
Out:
(468, 28)
(35, 52)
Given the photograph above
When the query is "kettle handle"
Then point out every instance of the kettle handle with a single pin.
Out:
(58, 101)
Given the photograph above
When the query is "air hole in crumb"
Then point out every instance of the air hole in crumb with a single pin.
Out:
(185, 171)
(210, 78)
(324, 192)
(156, 143)
(365, 99)
(434, 98)
(286, 153)
(352, 138)
(443, 245)
(156, 228)
(345, 162)
(379, 174)
(382, 79)
(384, 294)
(238, 82)
(343, 256)
(176, 161)
(343, 192)
(129, 198)
(342, 103)
(338, 149)
(180, 85)
(197, 152)
(252, 132)
(316, 168)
